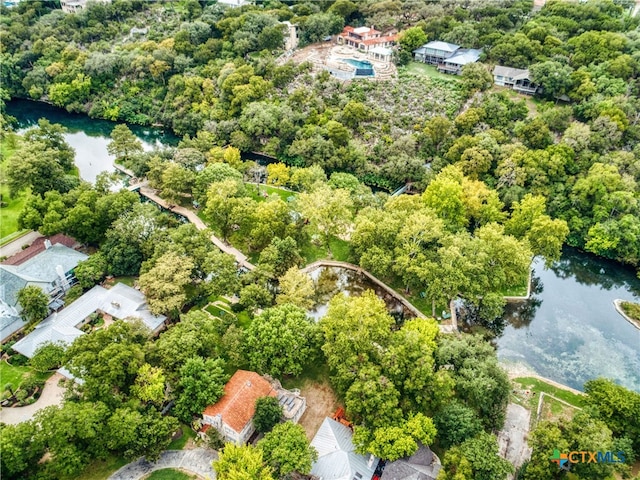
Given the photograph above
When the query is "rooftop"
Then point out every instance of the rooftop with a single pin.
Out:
(464, 56)
(422, 465)
(238, 403)
(438, 45)
(509, 72)
(39, 246)
(337, 459)
(121, 302)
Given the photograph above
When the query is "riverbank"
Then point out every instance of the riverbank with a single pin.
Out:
(617, 303)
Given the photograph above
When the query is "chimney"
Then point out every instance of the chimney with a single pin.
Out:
(47, 244)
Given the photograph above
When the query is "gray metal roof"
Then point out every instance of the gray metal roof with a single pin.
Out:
(337, 459)
(513, 73)
(445, 46)
(10, 321)
(463, 57)
(39, 270)
(120, 302)
(422, 465)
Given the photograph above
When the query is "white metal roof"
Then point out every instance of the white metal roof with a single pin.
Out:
(337, 459)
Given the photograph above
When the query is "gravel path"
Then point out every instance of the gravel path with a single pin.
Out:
(196, 461)
(51, 395)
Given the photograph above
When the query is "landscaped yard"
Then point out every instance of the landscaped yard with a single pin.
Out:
(284, 194)
(420, 68)
(12, 375)
(340, 250)
(9, 207)
(180, 443)
(564, 405)
(102, 469)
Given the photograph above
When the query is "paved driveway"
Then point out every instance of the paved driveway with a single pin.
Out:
(51, 395)
(197, 461)
(14, 247)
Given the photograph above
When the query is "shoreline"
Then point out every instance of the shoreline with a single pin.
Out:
(519, 370)
(618, 307)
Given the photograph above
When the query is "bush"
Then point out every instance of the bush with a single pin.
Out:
(73, 294)
(18, 360)
(268, 414)
(214, 439)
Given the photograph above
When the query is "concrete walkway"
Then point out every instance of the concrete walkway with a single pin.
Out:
(15, 246)
(198, 461)
(512, 439)
(241, 258)
(51, 395)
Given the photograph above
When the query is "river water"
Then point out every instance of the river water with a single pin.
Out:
(568, 331)
(88, 137)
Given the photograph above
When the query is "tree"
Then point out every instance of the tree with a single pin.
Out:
(34, 303)
(412, 38)
(224, 205)
(241, 462)
(200, 383)
(108, 361)
(456, 423)
(48, 355)
(296, 288)
(197, 334)
(475, 459)
(280, 255)
(39, 168)
(268, 414)
(353, 327)
(475, 76)
(329, 211)
(21, 449)
(617, 406)
(149, 386)
(287, 450)
(91, 271)
(277, 174)
(553, 77)
(124, 144)
(140, 434)
(255, 296)
(164, 284)
(281, 340)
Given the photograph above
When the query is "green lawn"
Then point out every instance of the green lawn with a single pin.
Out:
(12, 375)
(179, 444)
(284, 194)
(169, 474)
(10, 211)
(340, 250)
(218, 311)
(537, 386)
(318, 372)
(102, 469)
(419, 68)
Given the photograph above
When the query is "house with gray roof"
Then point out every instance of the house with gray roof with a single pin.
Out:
(462, 57)
(422, 465)
(51, 270)
(515, 78)
(337, 459)
(117, 303)
(435, 52)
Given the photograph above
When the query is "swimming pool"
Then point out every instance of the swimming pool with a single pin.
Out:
(363, 67)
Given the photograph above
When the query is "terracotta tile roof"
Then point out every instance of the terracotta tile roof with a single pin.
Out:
(375, 41)
(38, 246)
(238, 403)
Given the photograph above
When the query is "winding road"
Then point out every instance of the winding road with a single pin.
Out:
(52, 394)
(198, 461)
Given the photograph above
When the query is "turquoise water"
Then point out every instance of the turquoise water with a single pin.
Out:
(363, 67)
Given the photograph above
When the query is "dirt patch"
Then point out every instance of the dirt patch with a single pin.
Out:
(321, 402)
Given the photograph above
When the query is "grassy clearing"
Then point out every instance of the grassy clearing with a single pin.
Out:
(527, 394)
(180, 443)
(340, 250)
(318, 372)
(12, 375)
(128, 280)
(284, 194)
(431, 71)
(11, 207)
(169, 474)
(537, 386)
(102, 469)
(631, 309)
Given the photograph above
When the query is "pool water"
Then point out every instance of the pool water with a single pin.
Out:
(363, 67)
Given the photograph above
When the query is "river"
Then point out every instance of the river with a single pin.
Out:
(88, 137)
(568, 331)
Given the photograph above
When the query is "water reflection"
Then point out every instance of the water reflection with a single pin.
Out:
(329, 281)
(569, 331)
